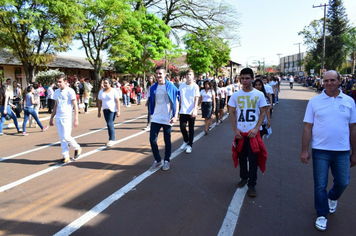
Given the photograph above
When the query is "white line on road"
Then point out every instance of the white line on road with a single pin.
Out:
(42, 172)
(233, 212)
(52, 144)
(96, 210)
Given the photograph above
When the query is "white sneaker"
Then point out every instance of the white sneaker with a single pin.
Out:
(166, 165)
(188, 149)
(148, 128)
(184, 145)
(320, 223)
(110, 143)
(332, 205)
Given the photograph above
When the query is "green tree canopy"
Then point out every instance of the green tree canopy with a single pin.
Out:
(335, 49)
(35, 30)
(205, 50)
(148, 43)
(103, 27)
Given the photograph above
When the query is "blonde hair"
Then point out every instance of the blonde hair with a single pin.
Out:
(86, 94)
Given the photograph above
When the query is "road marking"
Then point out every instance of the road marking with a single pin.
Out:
(233, 212)
(42, 172)
(79, 136)
(100, 207)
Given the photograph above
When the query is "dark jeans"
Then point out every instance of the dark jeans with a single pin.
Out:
(30, 111)
(110, 118)
(251, 172)
(11, 114)
(187, 137)
(50, 103)
(339, 163)
(155, 128)
(17, 109)
(86, 107)
(148, 114)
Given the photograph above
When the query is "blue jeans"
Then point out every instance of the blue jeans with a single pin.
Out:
(11, 114)
(339, 163)
(126, 99)
(155, 128)
(30, 111)
(110, 118)
(139, 97)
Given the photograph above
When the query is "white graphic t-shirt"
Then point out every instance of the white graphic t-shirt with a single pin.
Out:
(64, 102)
(162, 110)
(247, 106)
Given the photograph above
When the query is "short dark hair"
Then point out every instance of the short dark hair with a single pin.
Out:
(161, 68)
(62, 76)
(247, 71)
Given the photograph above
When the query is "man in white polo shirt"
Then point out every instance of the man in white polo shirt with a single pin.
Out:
(189, 93)
(330, 123)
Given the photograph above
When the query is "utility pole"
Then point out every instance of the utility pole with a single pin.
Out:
(263, 65)
(323, 57)
(300, 65)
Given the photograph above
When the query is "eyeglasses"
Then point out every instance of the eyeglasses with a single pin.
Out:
(245, 78)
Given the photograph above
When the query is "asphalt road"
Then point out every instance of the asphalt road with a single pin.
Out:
(108, 191)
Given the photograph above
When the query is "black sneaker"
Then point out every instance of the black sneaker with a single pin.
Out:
(242, 183)
(252, 191)
(77, 153)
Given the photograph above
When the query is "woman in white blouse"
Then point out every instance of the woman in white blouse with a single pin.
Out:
(110, 102)
(207, 100)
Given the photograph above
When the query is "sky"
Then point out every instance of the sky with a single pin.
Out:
(268, 28)
(271, 27)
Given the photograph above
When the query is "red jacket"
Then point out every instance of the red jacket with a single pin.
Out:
(257, 146)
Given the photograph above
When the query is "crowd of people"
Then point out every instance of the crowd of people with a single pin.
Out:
(249, 101)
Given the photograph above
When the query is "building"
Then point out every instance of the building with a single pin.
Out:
(289, 65)
(11, 67)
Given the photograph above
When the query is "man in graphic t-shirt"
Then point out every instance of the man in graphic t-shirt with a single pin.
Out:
(64, 102)
(164, 108)
(247, 111)
(189, 96)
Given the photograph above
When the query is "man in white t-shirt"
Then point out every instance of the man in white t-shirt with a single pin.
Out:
(189, 97)
(164, 108)
(64, 102)
(330, 123)
(247, 112)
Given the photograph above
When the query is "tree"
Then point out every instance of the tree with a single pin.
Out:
(102, 28)
(335, 50)
(350, 41)
(191, 15)
(148, 43)
(205, 49)
(34, 31)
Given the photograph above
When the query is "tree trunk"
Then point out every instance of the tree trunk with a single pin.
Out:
(30, 73)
